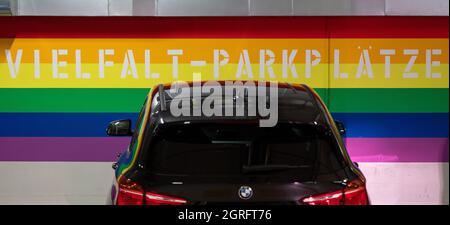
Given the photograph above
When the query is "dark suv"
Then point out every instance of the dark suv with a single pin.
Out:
(176, 160)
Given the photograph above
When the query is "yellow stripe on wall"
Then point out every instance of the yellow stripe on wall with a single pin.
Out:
(113, 79)
(318, 78)
(397, 79)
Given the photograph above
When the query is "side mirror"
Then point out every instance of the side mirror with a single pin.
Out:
(340, 126)
(119, 128)
(356, 164)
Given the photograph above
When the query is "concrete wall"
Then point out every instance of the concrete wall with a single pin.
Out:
(89, 182)
(230, 7)
(54, 106)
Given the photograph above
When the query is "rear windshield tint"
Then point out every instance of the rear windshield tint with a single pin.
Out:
(306, 151)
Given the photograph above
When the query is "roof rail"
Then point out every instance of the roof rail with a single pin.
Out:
(315, 102)
(162, 97)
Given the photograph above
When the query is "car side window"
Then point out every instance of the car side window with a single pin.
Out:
(136, 131)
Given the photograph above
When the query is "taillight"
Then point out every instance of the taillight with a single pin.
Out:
(333, 198)
(131, 193)
(158, 199)
(356, 194)
(353, 194)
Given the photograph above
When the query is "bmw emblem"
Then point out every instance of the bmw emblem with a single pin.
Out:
(245, 192)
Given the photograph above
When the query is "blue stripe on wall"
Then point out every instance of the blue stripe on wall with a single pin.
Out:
(94, 124)
(394, 124)
(58, 124)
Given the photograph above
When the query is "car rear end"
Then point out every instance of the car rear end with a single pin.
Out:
(209, 164)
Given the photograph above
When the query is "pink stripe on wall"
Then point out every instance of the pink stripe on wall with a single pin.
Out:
(398, 149)
(105, 149)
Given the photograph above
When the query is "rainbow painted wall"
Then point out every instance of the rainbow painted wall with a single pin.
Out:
(62, 79)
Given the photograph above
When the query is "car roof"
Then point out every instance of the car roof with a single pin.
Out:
(296, 104)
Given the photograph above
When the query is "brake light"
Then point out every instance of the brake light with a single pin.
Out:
(158, 199)
(354, 194)
(131, 193)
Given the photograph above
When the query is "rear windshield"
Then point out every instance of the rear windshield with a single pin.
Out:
(302, 151)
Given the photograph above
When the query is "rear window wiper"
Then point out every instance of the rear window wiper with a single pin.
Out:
(271, 168)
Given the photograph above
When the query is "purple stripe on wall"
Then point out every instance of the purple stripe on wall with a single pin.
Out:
(105, 149)
(398, 149)
(84, 149)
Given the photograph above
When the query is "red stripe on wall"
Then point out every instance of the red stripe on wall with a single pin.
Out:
(224, 27)
(389, 27)
(163, 27)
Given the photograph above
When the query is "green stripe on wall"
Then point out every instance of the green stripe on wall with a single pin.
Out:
(389, 100)
(72, 99)
(131, 99)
